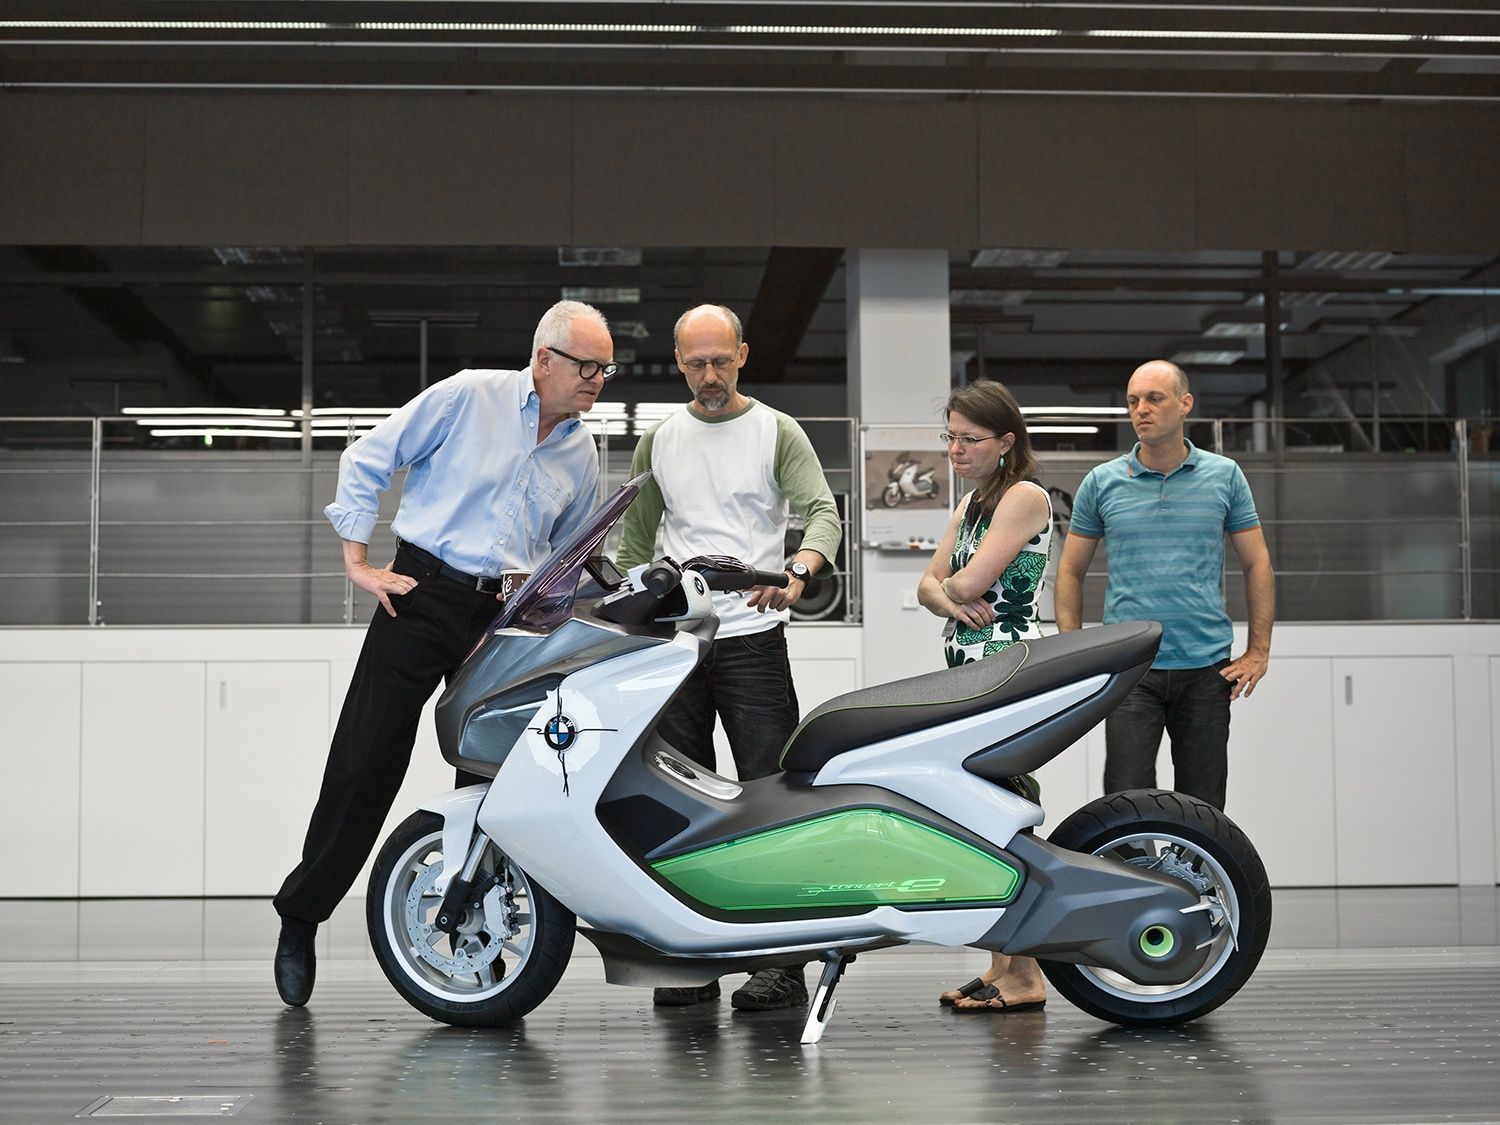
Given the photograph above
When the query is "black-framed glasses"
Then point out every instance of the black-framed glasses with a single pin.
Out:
(720, 363)
(588, 368)
(964, 440)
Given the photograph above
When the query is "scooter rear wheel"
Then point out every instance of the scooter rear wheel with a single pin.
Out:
(1188, 839)
(507, 956)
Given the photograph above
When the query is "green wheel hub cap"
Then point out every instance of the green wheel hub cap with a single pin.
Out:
(1157, 942)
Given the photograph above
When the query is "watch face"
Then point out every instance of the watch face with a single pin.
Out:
(799, 570)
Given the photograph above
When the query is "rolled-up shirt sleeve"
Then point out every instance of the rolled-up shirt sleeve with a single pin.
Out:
(366, 467)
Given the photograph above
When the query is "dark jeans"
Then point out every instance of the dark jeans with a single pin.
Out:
(403, 660)
(1192, 705)
(747, 680)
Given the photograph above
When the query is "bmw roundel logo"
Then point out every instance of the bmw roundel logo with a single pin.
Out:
(560, 732)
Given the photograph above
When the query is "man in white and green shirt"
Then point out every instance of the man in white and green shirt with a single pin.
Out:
(726, 472)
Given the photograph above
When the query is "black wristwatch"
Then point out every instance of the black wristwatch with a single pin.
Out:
(799, 570)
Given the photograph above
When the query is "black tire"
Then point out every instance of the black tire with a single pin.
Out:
(1136, 826)
(479, 978)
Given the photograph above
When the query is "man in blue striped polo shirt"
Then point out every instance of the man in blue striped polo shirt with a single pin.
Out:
(1165, 508)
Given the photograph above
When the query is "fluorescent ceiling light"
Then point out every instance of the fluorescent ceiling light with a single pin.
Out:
(598, 256)
(987, 298)
(1010, 258)
(685, 29)
(346, 411)
(1242, 329)
(211, 419)
(227, 431)
(217, 410)
(603, 294)
(1087, 411)
(1063, 429)
(1206, 357)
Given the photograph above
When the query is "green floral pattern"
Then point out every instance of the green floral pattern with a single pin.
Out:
(1013, 596)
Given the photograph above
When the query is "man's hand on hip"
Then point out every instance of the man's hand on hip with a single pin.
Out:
(381, 583)
(1243, 674)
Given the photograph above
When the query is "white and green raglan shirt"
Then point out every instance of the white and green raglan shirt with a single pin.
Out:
(725, 486)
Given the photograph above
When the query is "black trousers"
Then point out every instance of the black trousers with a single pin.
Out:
(403, 660)
(1192, 706)
(747, 680)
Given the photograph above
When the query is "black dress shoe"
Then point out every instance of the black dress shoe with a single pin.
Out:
(296, 962)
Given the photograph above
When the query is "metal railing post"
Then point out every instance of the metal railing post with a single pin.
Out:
(95, 458)
(854, 550)
(1465, 547)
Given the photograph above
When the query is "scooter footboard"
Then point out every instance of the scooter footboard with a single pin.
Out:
(1094, 911)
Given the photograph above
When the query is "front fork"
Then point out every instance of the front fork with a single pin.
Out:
(460, 812)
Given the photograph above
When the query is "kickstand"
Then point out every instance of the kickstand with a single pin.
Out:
(820, 1011)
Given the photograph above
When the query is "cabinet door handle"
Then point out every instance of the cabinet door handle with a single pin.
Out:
(223, 695)
(1349, 691)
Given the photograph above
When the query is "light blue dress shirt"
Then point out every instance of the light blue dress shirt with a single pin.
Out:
(480, 493)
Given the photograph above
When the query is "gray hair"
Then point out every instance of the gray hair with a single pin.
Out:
(723, 310)
(555, 329)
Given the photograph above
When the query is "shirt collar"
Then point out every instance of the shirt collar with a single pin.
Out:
(1135, 468)
(532, 401)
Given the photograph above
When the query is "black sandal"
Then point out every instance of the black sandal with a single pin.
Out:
(989, 994)
(965, 990)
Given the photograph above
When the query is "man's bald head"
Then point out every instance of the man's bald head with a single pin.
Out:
(721, 312)
(1164, 367)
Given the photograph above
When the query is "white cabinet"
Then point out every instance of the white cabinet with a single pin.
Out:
(1394, 772)
(1281, 771)
(39, 779)
(141, 800)
(266, 738)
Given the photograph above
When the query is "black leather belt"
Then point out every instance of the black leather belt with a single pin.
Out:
(476, 582)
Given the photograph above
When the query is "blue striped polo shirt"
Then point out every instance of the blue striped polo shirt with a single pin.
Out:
(1166, 547)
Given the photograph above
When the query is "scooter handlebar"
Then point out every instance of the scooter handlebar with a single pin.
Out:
(661, 578)
(724, 573)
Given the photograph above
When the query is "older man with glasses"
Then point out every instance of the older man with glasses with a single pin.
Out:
(500, 470)
(726, 469)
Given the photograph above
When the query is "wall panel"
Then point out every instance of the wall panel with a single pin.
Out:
(70, 168)
(1087, 172)
(252, 169)
(669, 171)
(430, 168)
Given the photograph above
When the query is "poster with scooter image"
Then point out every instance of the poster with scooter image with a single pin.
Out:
(908, 488)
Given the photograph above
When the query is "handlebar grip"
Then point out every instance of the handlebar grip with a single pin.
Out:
(770, 578)
(661, 579)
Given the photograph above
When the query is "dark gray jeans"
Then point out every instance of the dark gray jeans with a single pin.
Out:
(747, 681)
(1192, 706)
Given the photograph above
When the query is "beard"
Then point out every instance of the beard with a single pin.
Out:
(715, 397)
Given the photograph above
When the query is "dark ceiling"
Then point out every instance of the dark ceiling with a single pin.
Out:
(226, 322)
(1298, 48)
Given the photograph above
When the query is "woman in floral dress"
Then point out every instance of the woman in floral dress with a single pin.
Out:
(985, 579)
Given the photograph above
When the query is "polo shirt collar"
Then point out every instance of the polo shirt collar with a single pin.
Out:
(1135, 468)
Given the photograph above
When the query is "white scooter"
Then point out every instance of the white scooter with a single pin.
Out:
(898, 819)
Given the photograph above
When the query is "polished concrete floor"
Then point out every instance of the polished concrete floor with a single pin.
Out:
(1378, 1005)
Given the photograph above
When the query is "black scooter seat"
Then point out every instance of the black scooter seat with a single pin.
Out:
(860, 718)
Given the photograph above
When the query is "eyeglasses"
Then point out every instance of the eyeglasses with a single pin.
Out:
(720, 363)
(588, 368)
(963, 439)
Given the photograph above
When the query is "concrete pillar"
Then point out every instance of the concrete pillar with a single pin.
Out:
(898, 373)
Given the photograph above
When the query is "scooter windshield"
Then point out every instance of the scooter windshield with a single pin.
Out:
(545, 600)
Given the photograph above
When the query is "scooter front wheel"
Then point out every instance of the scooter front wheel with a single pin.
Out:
(508, 954)
(1187, 839)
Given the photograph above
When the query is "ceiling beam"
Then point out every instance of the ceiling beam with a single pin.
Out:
(791, 288)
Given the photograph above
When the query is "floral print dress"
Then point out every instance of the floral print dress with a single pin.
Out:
(1014, 595)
